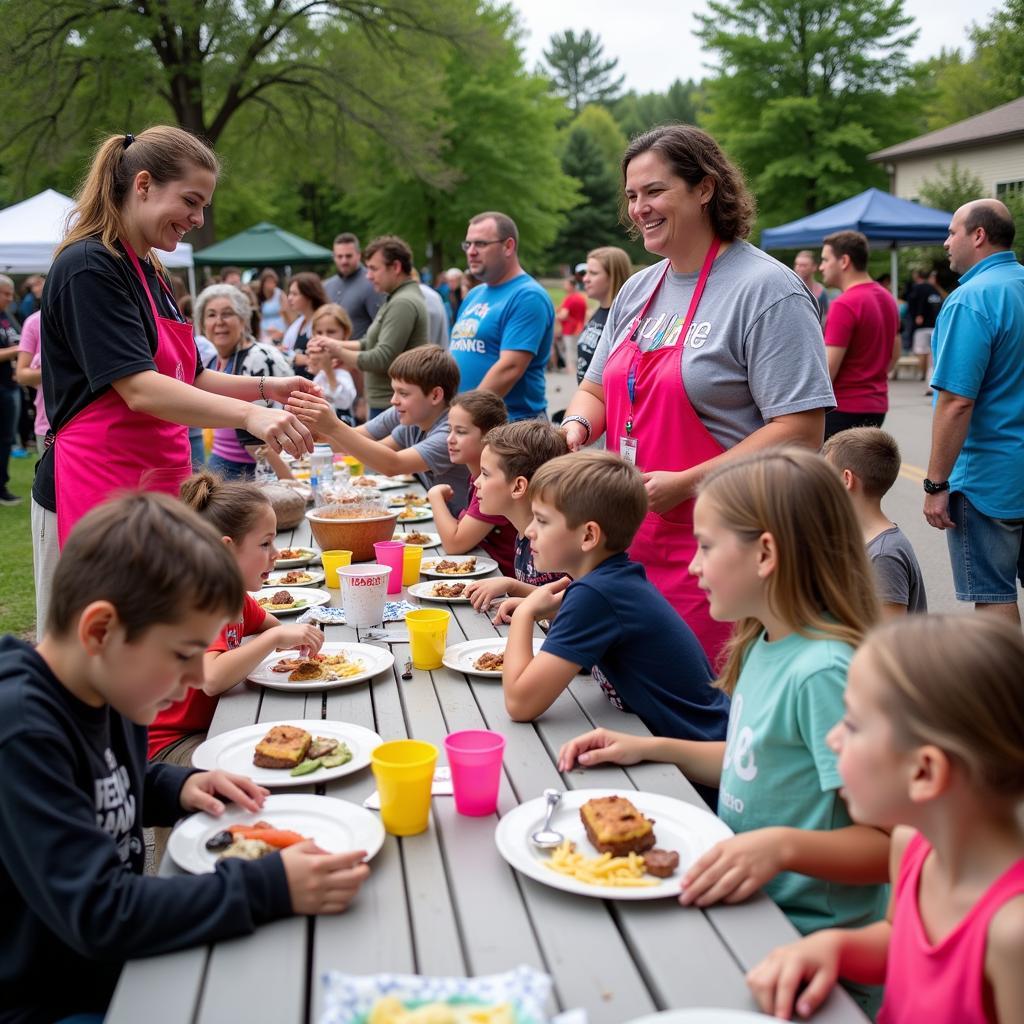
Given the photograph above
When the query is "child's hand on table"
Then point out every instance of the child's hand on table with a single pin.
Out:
(306, 639)
(201, 790)
(735, 868)
(506, 609)
(601, 746)
(322, 883)
(777, 979)
(545, 601)
(483, 593)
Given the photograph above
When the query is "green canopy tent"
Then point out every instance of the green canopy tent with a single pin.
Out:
(262, 245)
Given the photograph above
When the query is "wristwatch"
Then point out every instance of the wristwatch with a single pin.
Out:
(931, 487)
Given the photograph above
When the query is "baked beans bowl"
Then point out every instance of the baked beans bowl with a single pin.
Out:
(346, 528)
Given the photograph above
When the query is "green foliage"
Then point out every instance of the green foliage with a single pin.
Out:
(992, 74)
(951, 188)
(682, 102)
(605, 133)
(805, 90)
(579, 70)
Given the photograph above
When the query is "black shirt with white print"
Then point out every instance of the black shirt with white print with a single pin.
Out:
(75, 792)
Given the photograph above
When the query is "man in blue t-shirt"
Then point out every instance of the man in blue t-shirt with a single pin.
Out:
(975, 484)
(586, 509)
(503, 335)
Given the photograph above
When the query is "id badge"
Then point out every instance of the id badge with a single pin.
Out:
(627, 449)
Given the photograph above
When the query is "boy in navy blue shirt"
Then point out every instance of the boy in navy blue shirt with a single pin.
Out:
(586, 509)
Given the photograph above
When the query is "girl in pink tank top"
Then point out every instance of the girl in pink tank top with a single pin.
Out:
(933, 738)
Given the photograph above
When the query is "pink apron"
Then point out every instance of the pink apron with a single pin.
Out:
(108, 448)
(646, 402)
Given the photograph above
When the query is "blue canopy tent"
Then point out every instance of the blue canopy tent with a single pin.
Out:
(884, 219)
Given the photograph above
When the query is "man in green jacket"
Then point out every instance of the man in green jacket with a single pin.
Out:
(400, 324)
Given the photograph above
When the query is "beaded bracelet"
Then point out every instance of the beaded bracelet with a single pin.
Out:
(259, 388)
(582, 420)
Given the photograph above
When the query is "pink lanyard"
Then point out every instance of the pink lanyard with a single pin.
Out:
(691, 312)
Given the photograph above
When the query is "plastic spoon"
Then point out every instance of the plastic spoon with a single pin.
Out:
(546, 838)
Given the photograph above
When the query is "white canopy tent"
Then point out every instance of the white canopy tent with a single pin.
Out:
(32, 229)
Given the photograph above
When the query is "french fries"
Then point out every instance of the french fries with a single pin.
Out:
(620, 872)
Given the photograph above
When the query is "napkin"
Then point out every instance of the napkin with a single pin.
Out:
(394, 611)
(441, 786)
(349, 997)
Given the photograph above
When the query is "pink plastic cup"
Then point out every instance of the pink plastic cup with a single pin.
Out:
(391, 552)
(474, 756)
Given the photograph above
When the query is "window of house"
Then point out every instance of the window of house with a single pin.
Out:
(1009, 189)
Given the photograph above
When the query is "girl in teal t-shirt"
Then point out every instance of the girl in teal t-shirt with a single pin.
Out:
(780, 554)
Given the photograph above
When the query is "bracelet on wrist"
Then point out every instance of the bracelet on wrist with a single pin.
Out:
(582, 420)
(259, 387)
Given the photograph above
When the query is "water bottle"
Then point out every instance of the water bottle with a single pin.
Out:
(321, 463)
(314, 484)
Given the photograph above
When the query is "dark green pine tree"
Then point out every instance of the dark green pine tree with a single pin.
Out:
(580, 71)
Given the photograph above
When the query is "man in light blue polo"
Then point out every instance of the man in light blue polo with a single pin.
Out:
(502, 337)
(975, 484)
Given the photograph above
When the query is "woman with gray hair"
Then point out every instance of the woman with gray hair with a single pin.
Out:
(223, 315)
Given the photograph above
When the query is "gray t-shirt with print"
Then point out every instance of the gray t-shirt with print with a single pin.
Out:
(432, 446)
(897, 572)
(754, 351)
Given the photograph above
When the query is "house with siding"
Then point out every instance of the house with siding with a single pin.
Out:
(990, 146)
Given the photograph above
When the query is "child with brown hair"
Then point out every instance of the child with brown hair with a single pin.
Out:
(511, 455)
(932, 738)
(471, 416)
(141, 589)
(868, 460)
(335, 382)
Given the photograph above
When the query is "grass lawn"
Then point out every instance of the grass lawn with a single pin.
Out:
(17, 592)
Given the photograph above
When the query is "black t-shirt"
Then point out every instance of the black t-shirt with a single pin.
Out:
(9, 337)
(923, 301)
(587, 342)
(96, 328)
(76, 793)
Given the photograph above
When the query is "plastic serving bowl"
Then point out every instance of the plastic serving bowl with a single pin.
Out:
(355, 535)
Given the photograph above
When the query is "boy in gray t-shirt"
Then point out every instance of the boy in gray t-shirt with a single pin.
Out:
(868, 460)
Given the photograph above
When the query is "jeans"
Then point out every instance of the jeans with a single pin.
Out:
(10, 409)
(986, 554)
(231, 470)
(195, 440)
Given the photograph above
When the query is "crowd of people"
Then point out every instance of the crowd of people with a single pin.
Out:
(703, 531)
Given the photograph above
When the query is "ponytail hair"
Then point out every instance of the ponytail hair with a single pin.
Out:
(230, 507)
(166, 152)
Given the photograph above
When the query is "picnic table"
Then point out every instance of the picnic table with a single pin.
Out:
(444, 902)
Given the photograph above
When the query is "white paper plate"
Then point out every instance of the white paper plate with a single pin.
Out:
(377, 485)
(390, 483)
(703, 1015)
(483, 567)
(375, 660)
(679, 826)
(306, 596)
(274, 579)
(336, 825)
(424, 592)
(435, 539)
(419, 517)
(232, 752)
(460, 657)
(308, 555)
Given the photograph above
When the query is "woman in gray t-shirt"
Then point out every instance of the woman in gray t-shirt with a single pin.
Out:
(715, 349)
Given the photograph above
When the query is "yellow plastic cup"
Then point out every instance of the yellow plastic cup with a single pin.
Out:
(404, 770)
(428, 635)
(333, 561)
(411, 558)
(355, 467)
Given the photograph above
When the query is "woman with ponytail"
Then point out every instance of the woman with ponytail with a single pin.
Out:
(124, 381)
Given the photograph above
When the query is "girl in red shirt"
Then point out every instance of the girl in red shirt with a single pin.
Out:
(932, 738)
(245, 519)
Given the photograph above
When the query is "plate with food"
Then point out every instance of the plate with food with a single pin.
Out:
(336, 664)
(408, 499)
(619, 844)
(453, 591)
(481, 657)
(424, 540)
(282, 601)
(303, 577)
(365, 482)
(292, 558)
(200, 841)
(289, 753)
(414, 513)
(458, 565)
(391, 483)
(704, 1015)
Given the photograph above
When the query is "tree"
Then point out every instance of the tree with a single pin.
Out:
(951, 189)
(804, 91)
(203, 64)
(579, 71)
(637, 112)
